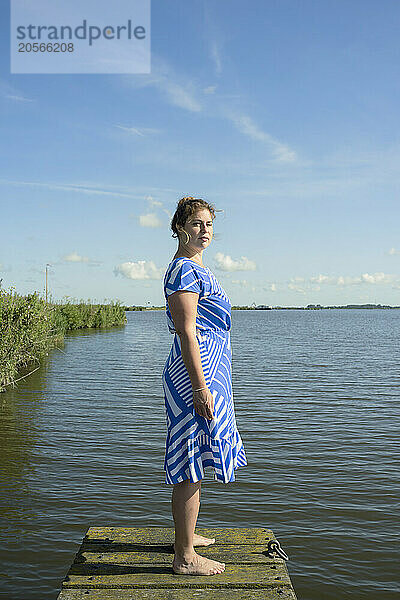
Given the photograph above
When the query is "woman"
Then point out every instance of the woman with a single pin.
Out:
(201, 426)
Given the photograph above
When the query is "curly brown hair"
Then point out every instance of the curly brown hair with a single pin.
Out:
(186, 207)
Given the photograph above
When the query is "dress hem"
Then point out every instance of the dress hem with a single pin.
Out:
(195, 454)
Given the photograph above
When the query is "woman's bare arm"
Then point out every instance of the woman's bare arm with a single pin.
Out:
(183, 309)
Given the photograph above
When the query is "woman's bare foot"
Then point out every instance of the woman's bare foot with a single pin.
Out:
(197, 565)
(200, 540)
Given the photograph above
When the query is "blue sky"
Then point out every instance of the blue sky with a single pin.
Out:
(284, 114)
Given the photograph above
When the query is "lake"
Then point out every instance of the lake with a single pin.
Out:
(317, 406)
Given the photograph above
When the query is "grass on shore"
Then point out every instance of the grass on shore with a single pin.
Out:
(30, 327)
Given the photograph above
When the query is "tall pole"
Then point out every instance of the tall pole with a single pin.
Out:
(46, 280)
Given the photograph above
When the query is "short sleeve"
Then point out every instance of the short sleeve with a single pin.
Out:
(183, 276)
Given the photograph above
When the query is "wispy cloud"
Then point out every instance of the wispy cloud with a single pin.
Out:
(4, 269)
(182, 92)
(225, 263)
(139, 131)
(141, 269)
(71, 187)
(216, 57)
(245, 124)
(96, 188)
(12, 93)
(18, 98)
(177, 90)
(153, 218)
(214, 35)
(179, 96)
(153, 202)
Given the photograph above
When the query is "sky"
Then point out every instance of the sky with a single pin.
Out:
(284, 114)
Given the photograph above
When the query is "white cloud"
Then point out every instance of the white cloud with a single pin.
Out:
(377, 278)
(225, 263)
(302, 285)
(74, 257)
(150, 220)
(296, 288)
(142, 269)
(247, 126)
(269, 287)
(241, 282)
(158, 204)
(394, 251)
(347, 280)
(341, 280)
(323, 279)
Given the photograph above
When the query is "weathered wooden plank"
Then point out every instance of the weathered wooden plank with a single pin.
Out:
(161, 576)
(227, 553)
(272, 593)
(165, 535)
(121, 563)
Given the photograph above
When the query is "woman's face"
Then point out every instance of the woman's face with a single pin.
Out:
(199, 226)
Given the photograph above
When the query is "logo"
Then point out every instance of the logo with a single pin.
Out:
(80, 36)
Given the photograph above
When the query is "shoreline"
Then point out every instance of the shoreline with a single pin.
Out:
(30, 327)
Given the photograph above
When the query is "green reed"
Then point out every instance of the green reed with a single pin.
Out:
(30, 327)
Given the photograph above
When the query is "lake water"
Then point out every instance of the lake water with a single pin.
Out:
(317, 405)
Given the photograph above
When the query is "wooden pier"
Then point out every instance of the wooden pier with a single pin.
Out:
(122, 563)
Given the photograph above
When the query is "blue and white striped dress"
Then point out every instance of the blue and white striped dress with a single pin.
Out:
(194, 442)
